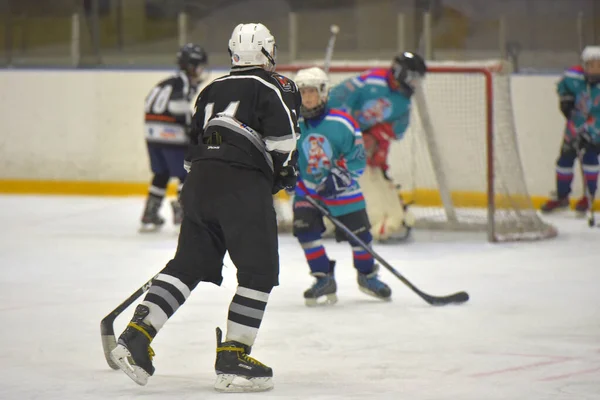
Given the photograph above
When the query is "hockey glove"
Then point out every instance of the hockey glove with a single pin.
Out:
(288, 175)
(583, 140)
(567, 105)
(335, 183)
(377, 143)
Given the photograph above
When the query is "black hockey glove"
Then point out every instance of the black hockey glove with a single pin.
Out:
(288, 175)
(584, 141)
(335, 183)
(567, 105)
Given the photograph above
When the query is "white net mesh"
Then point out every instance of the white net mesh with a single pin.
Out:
(442, 162)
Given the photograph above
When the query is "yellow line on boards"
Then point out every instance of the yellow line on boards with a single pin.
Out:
(421, 197)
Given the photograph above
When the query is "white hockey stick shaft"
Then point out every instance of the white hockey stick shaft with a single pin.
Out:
(330, 46)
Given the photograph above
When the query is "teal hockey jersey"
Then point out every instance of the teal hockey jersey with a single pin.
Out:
(586, 115)
(371, 101)
(333, 139)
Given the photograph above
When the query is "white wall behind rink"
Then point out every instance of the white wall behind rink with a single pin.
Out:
(87, 126)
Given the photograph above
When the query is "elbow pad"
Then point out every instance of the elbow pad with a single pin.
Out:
(567, 104)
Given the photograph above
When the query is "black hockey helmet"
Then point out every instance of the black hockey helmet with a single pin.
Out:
(191, 55)
(407, 68)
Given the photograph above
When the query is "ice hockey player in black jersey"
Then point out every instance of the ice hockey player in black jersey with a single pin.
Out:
(167, 125)
(242, 152)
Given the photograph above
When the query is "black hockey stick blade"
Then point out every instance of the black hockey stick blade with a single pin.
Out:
(455, 298)
(107, 330)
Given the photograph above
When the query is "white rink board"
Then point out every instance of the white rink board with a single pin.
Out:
(87, 126)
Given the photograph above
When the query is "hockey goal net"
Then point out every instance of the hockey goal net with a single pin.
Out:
(459, 162)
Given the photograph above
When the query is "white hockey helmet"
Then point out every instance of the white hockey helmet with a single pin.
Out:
(590, 53)
(252, 44)
(314, 77)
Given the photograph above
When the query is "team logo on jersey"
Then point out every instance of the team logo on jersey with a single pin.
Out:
(236, 58)
(374, 111)
(285, 84)
(318, 151)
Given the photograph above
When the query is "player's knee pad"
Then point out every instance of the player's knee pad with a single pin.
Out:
(160, 181)
(365, 236)
(590, 157)
(307, 220)
(567, 157)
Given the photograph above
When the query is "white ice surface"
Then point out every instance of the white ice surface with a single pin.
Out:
(530, 331)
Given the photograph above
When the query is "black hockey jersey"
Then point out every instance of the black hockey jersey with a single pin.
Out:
(168, 111)
(247, 118)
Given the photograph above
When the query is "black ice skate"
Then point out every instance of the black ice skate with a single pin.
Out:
(133, 353)
(177, 212)
(371, 285)
(322, 292)
(151, 221)
(237, 371)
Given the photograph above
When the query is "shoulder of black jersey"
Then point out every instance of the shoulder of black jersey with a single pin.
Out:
(283, 82)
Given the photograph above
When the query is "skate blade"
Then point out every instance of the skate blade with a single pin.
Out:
(239, 384)
(326, 300)
(149, 228)
(121, 356)
(373, 294)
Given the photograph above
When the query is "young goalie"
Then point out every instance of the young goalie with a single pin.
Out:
(331, 157)
(380, 101)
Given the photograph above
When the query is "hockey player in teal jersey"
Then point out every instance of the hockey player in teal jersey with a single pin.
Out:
(380, 100)
(331, 157)
(579, 94)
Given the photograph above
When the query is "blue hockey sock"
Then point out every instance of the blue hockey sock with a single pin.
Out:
(590, 171)
(564, 174)
(315, 252)
(363, 261)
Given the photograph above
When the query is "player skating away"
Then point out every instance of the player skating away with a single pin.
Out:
(243, 132)
(380, 100)
(167, 123)
(331, 157)
(579, 93)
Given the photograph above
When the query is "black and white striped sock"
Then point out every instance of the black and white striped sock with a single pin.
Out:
(165, 296)
(245, 315)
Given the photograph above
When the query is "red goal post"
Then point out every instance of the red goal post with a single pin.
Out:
(459, 161)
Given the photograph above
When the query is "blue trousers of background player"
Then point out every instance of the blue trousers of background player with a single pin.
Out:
(166, 162)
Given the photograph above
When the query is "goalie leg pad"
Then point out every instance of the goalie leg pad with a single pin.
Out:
(384, 207)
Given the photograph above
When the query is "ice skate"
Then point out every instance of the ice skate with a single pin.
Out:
(322, 292)
(133, 353)
(555, 205)
(237, 371)
(177, 212)
(582, 206)
(151, 221)
(371, 285)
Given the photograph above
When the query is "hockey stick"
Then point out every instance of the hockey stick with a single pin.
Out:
(107, 331)
(459, 297)
(590, 199)
(329, 51)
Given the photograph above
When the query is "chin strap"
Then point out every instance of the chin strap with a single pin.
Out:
(269, 57)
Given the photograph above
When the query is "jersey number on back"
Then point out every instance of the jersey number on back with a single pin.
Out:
(158, 99)
(229, 111)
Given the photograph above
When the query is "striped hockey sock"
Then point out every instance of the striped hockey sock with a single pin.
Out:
(363, 261)
(590, 170)
(165, 296)
(245, 315)
(315, 253)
